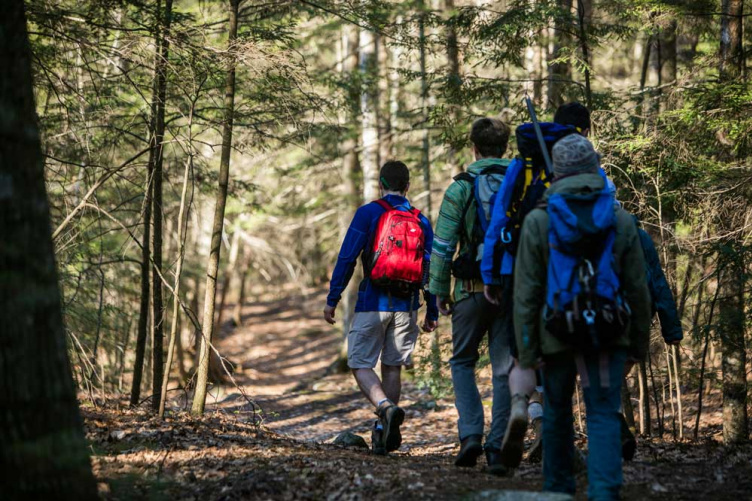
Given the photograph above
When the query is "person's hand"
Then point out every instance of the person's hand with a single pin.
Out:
(493, 294)
(445, 306)
(429, 325)
(329, 314)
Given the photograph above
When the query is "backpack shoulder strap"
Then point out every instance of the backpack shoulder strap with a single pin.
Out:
(494, 169)
(384, 204)
(465, 176)
(470, 178)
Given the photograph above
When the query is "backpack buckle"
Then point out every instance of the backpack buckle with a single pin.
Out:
(506, 237)
(589, 316)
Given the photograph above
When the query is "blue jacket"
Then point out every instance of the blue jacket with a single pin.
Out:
(660, 293)
(358, 237)
(499, 220)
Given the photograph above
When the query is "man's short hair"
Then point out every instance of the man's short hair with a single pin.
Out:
(394, 176)
(574, 114)
(490, 137)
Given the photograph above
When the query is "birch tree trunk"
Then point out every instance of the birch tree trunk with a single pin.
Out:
(199, 397)
(426, 144)
(350, 174)
(645, 428)
(369, 103)
(386, 128)
(44, 454)
(396, 92)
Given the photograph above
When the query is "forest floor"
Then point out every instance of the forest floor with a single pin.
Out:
(282, 352)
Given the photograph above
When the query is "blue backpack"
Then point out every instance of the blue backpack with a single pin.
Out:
(584, 304)
(485, 186)
(532, 180)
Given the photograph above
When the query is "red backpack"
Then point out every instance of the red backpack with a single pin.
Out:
(397, 252)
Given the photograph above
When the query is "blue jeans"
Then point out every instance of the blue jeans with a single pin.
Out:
(472, 319)
(602, 388)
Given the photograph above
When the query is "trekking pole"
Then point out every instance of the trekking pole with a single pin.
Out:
(539, 135)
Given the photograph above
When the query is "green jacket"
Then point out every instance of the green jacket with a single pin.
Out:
(530, 278)
(447, 235)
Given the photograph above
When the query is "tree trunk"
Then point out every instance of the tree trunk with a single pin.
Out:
(454, 84)
(560, 73)
(677, 382)
(369, 103)
(237, 313)
(350, 174)
(668, 52)
(143, 315)
(671, 381)
(584, 17)
(396, 92)
(639, 119)
(386, 128)
(732, 55)
(155, 152)
(708, 328)
(642, 378)
(425, 158)
(199, 397)
(733, 357)
(174, 332)
(156, 156)
(227, 280)
(658, 414)
(44, 454)
(533, 65)
(626, 404)
(732, 281)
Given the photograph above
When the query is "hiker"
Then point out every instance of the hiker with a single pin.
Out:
(394, 241)
(463, 218)
(661, 299)
(581, 306)
(661, 302)
(523, 185)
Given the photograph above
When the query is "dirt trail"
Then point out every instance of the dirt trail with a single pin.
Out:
(284, 349)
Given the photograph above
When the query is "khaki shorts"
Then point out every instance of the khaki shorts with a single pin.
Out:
(391, 334)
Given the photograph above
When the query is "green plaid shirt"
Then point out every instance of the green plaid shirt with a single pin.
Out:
(447, 235)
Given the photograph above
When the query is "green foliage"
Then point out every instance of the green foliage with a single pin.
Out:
(679, 154)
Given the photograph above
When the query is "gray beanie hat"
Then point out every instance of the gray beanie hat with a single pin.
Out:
(574, 154)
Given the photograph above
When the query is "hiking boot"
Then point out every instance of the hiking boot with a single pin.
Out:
(377, 441)
(628, 441)
(391, 418)
(514, 438)
(470, 450)
(536, 450)
(494, 464)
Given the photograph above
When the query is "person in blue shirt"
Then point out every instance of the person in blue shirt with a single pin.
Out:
(384, 325)
(497, 277)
